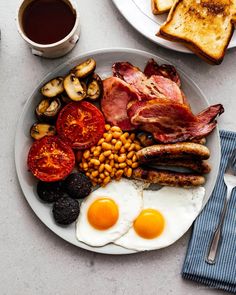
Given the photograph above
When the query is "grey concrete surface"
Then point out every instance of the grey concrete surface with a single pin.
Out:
(32, 259)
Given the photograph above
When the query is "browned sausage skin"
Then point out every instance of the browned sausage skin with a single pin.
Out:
(147, 139)
(175, 150)
(199, 140)
(198, 166)
(168, 178)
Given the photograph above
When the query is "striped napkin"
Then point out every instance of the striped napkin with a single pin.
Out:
(222, 274)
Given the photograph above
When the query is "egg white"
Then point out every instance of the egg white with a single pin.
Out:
(179, 207)
(127, 196)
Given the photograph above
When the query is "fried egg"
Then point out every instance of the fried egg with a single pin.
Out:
(166, 215)
(108, 212)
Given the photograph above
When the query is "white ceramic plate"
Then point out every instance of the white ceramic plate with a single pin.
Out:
(139, 14)
(104, 58)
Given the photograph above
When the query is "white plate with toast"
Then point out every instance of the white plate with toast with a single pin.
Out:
(139, 14)
(104, 59)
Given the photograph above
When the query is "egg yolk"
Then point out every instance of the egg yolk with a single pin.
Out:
(103, 213)
(149, 224)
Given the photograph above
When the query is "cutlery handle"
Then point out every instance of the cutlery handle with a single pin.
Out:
(214, 245)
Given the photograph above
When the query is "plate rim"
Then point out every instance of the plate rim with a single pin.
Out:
(23, 111)
(121, 6)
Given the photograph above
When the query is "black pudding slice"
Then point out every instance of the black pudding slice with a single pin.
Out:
(78, 185)
(51, 191)
(65, 210)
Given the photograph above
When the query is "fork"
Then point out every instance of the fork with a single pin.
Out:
(230, 182)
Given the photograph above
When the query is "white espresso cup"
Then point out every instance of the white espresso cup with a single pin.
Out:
(52, 50)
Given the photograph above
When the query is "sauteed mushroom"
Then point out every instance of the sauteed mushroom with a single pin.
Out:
(39, 130)
(94, 87)
(85, 68)
(83, 84)
(53, 87)
(74, 88)
(47, 110)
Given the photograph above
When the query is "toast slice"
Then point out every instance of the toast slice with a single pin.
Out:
(161, 6)
(204, 26)
(234, 17)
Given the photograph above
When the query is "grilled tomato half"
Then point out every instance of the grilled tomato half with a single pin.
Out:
(50, 159)
(81, 124)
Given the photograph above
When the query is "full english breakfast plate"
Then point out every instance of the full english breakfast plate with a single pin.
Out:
(88, 142)
(139, 14)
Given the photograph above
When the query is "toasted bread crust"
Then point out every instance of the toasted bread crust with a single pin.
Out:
(214, 11)
(234, 19)
(156, 10)
(154, 7)
(193, 47)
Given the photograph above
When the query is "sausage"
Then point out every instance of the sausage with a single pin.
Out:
(147, 139)
(198, 166)
(199, 140)
(168, 178)
(175, 150)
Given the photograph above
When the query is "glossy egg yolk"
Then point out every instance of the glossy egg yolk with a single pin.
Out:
(149, 224)
(103, 213)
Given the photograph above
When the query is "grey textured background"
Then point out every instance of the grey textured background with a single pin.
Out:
(32, 259)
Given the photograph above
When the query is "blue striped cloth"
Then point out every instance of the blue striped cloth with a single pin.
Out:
(222, 274)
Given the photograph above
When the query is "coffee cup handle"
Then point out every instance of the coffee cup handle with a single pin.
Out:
(74, 39)
(36, 52)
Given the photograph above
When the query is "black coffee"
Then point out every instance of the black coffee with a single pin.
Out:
(48, 21)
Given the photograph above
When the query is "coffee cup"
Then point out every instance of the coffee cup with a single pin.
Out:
(39, 41)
